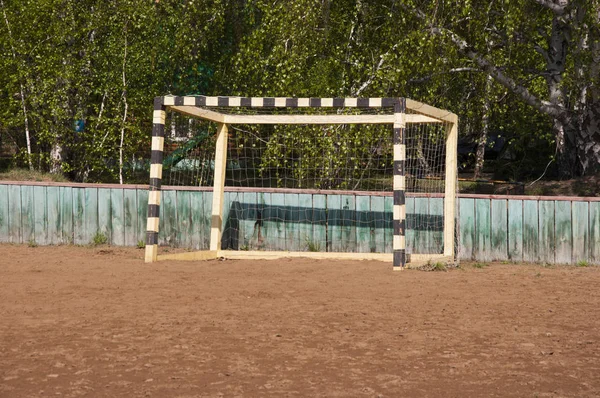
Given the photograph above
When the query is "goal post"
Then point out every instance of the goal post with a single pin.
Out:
(295, 162)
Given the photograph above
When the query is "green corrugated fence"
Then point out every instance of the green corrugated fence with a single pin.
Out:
(559, 230)
(47, 214)
(508, 228)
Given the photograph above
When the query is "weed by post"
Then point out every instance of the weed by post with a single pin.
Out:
(99, 239)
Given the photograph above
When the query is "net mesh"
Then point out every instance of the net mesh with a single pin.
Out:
(306, 187)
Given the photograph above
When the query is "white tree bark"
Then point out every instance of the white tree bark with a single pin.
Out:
(56, 158)
(555, 68)
(485, 128)
(124, 110)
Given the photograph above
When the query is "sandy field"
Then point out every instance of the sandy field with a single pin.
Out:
(98, 322)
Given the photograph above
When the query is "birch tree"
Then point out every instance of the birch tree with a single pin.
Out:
(539, 41)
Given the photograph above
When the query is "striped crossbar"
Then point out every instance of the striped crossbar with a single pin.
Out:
(279, 102)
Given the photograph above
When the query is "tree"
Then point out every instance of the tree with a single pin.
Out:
(81, 77)
(527, 69)
(550, 41)
(352, 48)
(13, 53)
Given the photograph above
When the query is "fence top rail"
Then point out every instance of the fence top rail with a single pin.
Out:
(73, 184)
(303, 191)
(531, 197)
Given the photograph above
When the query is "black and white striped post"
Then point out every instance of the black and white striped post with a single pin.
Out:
(399, 223)
(156, 164)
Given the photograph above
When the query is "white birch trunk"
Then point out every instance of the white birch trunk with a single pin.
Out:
(556, 63)
(485, 129)
(56, 158)
(124, 111)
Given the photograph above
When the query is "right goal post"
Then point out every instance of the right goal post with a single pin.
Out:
(451, 169)
(311, 177)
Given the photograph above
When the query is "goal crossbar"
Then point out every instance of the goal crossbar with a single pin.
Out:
(395, 111)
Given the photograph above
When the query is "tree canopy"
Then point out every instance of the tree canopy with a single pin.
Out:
(77, 77)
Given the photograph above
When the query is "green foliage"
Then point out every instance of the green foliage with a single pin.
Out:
(480, 265)
(438, 267)
(99, 239)
(64, 61)
(141, 244)
(433, 267)
(337, 159)
(312, 246)
(71, 58)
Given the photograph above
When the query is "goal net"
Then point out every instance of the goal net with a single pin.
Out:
(329, 178)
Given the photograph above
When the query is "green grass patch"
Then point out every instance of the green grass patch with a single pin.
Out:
(99, 239)
(29, 175)
(438, 267)
(313, 246)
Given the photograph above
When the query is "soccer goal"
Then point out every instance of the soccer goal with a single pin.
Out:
(328, 178)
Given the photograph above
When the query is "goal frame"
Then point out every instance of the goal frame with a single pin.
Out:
(200, 107)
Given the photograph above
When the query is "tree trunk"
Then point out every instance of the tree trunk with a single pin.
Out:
(566, 155)
(125, 106)
(589, 140)
(56, 158)
(485, 129)
(26, 124)
(566, 151)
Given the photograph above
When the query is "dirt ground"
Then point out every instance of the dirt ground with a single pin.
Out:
(98, 322)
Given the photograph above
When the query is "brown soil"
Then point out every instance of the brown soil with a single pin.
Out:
(582, 186)
(78, 321)
(588, 186)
